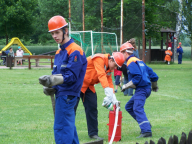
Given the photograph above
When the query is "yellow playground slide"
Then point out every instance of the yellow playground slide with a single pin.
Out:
(16, 40)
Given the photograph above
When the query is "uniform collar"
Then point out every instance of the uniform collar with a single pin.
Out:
(130, 57)
(66, 44)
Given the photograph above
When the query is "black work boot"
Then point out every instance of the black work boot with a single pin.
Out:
(96, 137)
(145, 135)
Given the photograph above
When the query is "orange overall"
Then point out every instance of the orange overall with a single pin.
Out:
(168, 54)
(97, 72)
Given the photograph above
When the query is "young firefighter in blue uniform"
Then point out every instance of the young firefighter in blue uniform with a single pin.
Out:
(142, 78)
(179, 53)
(66, 80)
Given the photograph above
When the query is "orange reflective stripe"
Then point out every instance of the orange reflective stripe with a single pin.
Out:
(58, 51)
(132, 59)
(74, 47)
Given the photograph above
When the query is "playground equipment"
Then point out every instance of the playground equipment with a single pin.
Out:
(16, 40)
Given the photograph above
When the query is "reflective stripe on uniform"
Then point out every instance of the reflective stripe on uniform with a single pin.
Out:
(144, 122)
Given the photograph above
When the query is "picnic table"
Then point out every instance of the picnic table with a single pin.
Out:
(37, 58)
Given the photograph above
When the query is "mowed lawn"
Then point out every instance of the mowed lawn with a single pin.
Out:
(26, 115)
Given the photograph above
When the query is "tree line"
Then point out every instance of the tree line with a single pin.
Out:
(27, 19)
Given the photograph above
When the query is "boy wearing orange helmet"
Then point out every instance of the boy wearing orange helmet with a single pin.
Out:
(141, 77)
(66, 81)
(99, 70)
(168, 54)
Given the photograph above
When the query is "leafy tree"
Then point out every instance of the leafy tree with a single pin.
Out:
(48, 9)
(160, 13)
(16, 18)
(112, 16)
(187, 17)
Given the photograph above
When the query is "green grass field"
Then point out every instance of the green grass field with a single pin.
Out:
(26, 115)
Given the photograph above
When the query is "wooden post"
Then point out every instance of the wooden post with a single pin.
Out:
(167, 41)
(70, 11)
(149, 50)
(143, 29)
(10, 57)
(29, 65)
(101, 3)
(101, 15)
(161, 40)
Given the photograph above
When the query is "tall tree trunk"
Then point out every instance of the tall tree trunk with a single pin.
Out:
(7, 39)
(6, 35)
(178, 28)
(191, 48)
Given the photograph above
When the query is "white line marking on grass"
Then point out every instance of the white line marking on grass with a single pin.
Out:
(187, 100)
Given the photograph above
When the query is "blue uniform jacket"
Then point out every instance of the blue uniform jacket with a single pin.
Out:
(71, 62)
(140, 74)
(180, 50)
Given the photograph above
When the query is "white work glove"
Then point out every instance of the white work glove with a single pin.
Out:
(107, 103)
(128, 85)
(108, 100)
(154, 86)
(115, 101)
(177, 53)
(48, 91)
(51, 80)
(108, 92)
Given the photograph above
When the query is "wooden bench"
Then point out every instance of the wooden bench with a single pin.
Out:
(37, 58)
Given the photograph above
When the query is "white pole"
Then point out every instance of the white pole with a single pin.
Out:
(116, 42)
(121, 30)
(92, 42)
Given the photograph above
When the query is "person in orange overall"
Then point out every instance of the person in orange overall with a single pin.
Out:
(99, 69)
(168, 54)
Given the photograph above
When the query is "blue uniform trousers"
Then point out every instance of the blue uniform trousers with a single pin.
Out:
(89, 100)
(64, 125)
(135, 107)
(179, 58)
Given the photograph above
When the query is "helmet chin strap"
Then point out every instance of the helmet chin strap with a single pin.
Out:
(63, 34)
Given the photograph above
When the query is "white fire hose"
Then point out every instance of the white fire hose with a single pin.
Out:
(115, 125)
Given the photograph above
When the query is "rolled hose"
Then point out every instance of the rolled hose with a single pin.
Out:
(115, 125)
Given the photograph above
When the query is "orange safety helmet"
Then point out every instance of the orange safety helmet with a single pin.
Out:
(180, 43)
(118, 58)
(56, 22)
(126, 46)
